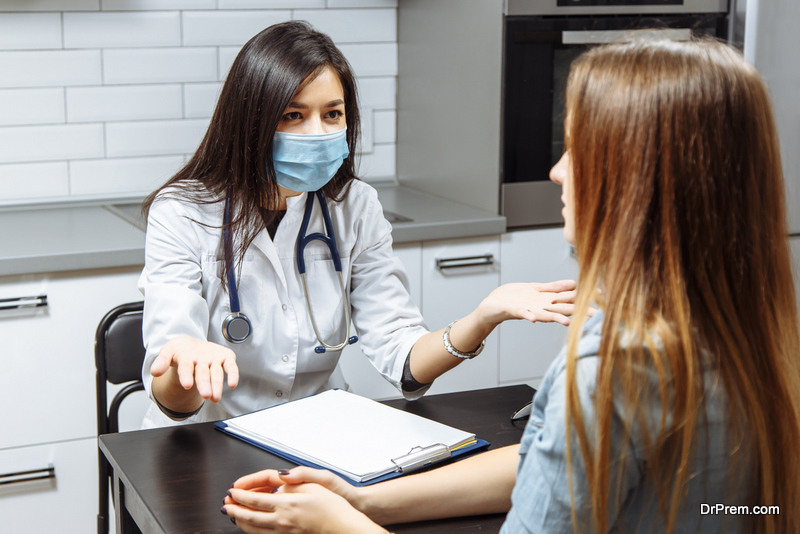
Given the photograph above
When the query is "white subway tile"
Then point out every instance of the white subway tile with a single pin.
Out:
(48, 143)
(135, 102)
(154, 5)
(27, 31)
(160, 65)
(385, 126)
(151, 138)
(31, 106)
(373, 59)
(118, 30)
(227, 27)
(380, 163)
(361, 3)
(50, 5)
(227, 54)
(121, 175)
(52, 68)
(33, 180)
(367, 122)
(353, 25)
(270, 4)
(378, 93)
(200, 99)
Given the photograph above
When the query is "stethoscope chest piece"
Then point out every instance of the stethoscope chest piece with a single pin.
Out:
(236, 327)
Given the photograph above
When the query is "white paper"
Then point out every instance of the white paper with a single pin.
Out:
(345, 432)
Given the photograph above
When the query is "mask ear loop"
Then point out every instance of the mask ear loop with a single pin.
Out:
(302, 241)
(236, 327)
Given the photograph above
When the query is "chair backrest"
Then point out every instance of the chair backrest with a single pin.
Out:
(119, 353)
(118, 356)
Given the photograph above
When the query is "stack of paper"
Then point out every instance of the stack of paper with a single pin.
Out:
(356, 437)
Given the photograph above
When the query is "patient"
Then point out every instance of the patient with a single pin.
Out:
(683, 389)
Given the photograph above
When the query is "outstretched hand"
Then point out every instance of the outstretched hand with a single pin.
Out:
(198, 363)
(548, 302)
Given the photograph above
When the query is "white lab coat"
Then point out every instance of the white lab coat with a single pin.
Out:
(184, 296)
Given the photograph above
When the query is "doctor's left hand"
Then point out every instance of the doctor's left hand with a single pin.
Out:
(198, 363)
(548, 302)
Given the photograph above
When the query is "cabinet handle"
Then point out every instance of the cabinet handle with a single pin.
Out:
(27, 476)
(23, 302)
(467, 261)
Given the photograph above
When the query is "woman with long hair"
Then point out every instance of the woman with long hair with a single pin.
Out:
(683, 390)
(265, 245)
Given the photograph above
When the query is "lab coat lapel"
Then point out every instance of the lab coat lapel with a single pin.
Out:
(289, 225)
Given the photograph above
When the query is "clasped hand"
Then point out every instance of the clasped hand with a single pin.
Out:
(198, 363)
(303, 500)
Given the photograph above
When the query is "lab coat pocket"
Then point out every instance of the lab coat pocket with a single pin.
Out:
(325, 295)
(249, 281)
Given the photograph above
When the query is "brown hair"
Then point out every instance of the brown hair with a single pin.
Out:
(680, 221)
(234, 159)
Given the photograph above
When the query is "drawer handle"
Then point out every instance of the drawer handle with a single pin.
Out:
(27, 476)
(467, 261)
(23, 302)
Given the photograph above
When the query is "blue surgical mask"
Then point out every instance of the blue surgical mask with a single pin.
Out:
(306, 162)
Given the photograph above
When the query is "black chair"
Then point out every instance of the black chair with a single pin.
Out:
(118, 354)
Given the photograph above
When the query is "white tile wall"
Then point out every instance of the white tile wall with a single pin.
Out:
(126, 102)
(20, 31)
(106, 98)
(31, 106)
(122, 30)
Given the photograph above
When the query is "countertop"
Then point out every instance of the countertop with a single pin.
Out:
(48, 239)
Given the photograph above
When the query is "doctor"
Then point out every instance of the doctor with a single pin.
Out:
(232, 288)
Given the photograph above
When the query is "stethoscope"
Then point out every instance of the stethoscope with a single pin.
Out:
(236, 327)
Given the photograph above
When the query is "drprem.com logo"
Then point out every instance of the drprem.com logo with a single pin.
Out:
(722, 509)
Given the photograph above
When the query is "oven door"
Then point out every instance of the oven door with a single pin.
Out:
(537, 57)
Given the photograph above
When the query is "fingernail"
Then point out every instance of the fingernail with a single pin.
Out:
(283, 471)
(275, 490)
(229, 494)
(223, 511)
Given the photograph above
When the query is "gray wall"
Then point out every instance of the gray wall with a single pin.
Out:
(448, 101)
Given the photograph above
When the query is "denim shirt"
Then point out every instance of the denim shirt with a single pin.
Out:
(541, 500)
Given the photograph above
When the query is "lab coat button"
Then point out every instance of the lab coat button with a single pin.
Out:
(279, 393)
(284, 307)
(285, 358)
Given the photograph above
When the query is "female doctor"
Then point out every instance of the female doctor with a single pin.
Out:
(264, 246)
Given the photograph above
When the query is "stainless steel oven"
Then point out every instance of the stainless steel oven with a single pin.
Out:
(542, 38)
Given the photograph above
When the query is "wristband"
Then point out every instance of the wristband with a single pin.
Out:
(458, 354)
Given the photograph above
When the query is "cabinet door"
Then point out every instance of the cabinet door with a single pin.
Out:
(526, 350)
(358, 371)
(66, 504)
(47, 354)
(794, 247)
(451, 292)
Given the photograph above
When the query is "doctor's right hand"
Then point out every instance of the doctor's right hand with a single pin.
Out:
(198, 363)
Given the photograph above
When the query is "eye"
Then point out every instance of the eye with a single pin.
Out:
(292, 116)
(334, 114)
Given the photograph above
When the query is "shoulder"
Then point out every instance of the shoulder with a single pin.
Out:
(360, 195)
(176, 202)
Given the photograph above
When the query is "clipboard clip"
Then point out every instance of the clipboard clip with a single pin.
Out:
(421, 457)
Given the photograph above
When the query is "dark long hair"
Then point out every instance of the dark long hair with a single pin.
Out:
(234, 159)
(680, 218)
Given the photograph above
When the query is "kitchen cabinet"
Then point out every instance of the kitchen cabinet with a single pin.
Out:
(48, 388)
(794, 247)
(532, 256)
(361, 376)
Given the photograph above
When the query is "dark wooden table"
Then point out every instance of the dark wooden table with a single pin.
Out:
(172, 480)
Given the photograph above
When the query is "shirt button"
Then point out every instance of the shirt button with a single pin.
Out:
(284, 307)
(279, 393)
(285, 358)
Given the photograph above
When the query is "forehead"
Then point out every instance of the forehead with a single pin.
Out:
(325, 85)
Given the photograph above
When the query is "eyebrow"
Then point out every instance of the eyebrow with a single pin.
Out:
(331, 104)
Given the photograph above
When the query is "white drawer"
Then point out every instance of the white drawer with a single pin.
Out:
(65, 504)
(47, 354)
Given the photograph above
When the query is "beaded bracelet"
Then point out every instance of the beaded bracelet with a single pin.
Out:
(458, 354)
